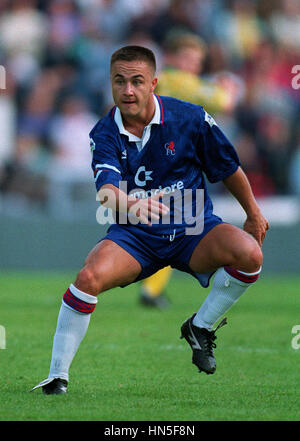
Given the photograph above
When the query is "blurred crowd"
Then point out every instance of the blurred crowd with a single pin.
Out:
(56, 57)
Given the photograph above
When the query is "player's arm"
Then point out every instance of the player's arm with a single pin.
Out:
(256, 224)
(144, 209)
(108, 176)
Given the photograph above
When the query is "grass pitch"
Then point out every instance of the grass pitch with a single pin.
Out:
(132, 366)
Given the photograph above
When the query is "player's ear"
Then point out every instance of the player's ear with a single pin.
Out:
(154, 83)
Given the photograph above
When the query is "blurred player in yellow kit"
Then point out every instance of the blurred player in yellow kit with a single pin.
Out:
(183, 64)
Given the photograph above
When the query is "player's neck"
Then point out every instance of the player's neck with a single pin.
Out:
(137, 123)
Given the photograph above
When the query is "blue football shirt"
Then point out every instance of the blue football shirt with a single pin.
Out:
(181, 143)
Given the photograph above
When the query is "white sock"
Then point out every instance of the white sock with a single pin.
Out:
(71, 328)
(225, 292)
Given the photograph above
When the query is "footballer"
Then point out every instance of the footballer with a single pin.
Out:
(146, 148)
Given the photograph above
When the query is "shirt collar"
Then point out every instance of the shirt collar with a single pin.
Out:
(155, 120)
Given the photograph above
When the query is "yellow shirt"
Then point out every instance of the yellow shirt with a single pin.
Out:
(189, 87)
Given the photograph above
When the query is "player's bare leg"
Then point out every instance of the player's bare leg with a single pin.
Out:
(107, 266)
(237, 258)
(226, 245)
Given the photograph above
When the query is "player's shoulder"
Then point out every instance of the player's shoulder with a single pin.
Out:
(174, 108)
(106, 126)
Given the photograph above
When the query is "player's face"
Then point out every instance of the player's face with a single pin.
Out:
(190, 60)
(133, 83)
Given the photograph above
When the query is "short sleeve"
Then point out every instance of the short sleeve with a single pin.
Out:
(218, 156)
(105, 163)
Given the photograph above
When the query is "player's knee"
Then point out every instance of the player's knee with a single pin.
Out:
(88, 281)
(248, 257)
(255, 258)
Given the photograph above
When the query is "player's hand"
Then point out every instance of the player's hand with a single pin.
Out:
(257, 226)
(148, 210)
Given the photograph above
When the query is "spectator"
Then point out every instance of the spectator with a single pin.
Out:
(184, 58)
(238, 30)
(23, 29)
(285, 24)
(23, 37)
(274, 145)
(70, 165)
(173, 18)
(64, 25)
(240, 72)
(8, 125)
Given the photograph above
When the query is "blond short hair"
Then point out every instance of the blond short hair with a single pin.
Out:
(174, 42)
